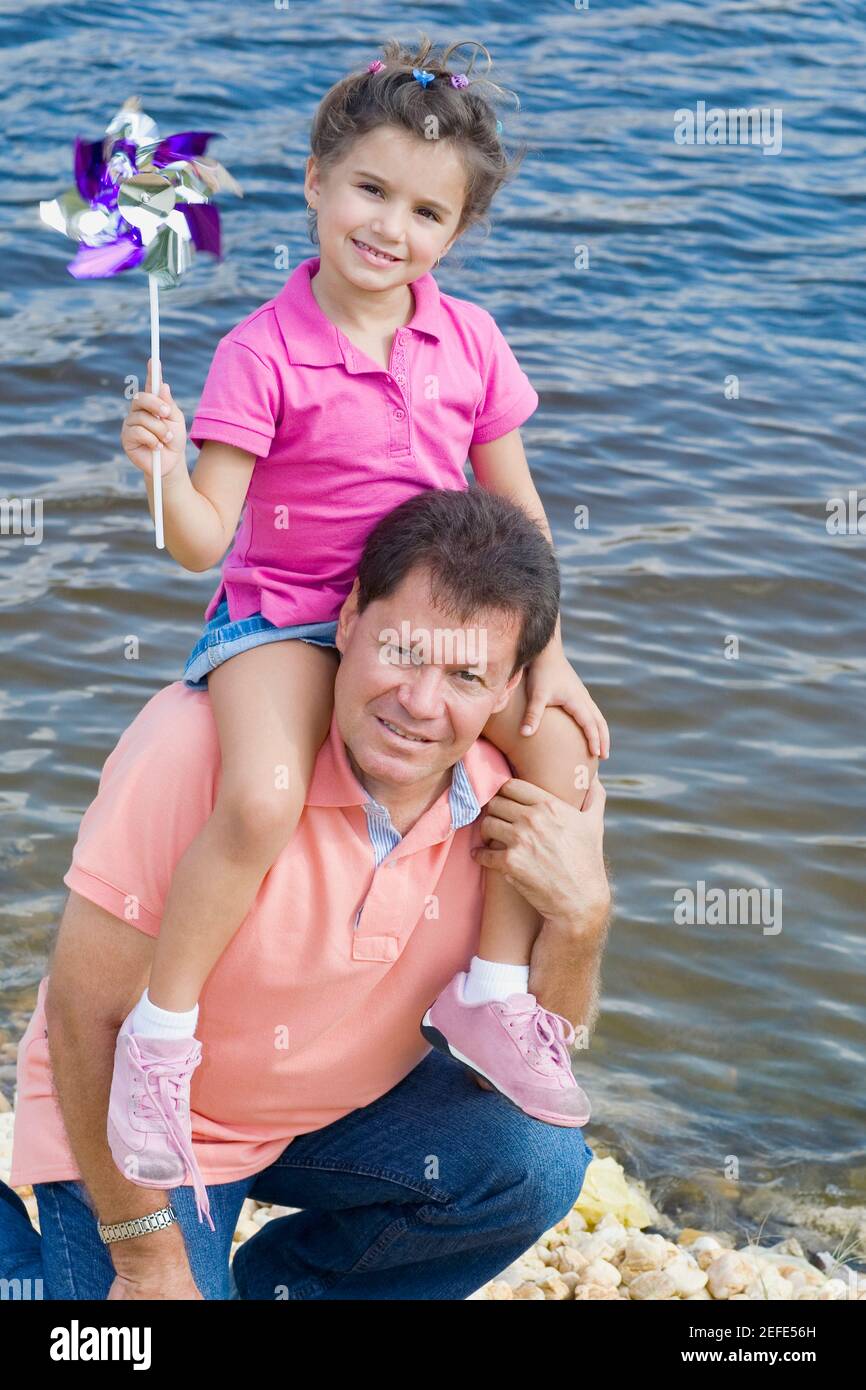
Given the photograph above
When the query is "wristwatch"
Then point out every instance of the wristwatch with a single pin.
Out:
(137, 1225)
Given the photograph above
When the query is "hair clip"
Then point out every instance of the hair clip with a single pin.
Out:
(376, 66)
(459, 79)
(425, 78)
(498, 127)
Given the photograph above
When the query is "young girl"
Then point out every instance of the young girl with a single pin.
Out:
(357, 386)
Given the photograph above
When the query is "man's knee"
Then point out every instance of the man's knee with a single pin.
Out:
(543, 1169)
(558, 1181)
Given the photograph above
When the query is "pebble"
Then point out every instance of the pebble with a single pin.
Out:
(600, 1251)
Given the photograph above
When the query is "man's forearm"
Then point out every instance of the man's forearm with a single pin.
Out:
(82, 1061)
(565, 968)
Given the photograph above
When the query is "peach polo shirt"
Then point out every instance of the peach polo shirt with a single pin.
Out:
(314, 1008)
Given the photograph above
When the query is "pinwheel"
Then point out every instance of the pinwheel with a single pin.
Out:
(140, 200)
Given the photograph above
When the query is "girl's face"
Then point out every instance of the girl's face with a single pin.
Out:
(394, 193)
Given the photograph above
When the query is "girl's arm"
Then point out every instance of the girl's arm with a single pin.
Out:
(501, 467)
(201, 509)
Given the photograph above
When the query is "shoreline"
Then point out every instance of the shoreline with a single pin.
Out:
(616, 1245)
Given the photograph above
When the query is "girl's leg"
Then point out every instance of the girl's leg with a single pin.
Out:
(557, 759)
(272, 705)
(512, 1047)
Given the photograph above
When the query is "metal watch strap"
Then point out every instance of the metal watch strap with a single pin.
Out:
(137, 1225)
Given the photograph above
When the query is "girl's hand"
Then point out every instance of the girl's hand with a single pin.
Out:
(551, 680)
(154, 422)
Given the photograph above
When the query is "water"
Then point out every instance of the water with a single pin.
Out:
(707, 515)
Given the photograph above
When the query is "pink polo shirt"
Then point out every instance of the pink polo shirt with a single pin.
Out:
(339, 442)
(312, 1010)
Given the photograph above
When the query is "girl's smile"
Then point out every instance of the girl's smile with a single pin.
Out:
(393, 201)
(373, 255)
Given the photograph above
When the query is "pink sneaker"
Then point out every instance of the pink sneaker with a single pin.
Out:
(149, 1129)
(516, 1045)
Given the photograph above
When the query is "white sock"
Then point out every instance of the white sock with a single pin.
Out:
(493, 979)
(150, 1021)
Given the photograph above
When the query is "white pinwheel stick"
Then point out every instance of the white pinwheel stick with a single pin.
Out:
(156, 382)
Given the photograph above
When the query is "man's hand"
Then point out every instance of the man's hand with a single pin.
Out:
(170, 1284)
(152, 1266)
(553, 852)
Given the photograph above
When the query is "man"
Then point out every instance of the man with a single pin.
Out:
(319, 1090)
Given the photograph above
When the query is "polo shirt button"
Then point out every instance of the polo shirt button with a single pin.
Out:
(399, 414)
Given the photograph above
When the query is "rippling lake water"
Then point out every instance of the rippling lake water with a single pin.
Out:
(701, 384)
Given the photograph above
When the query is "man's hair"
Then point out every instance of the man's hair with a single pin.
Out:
(483, 554)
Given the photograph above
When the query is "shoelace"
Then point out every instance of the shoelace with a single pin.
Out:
(163, 1081)
(550, 1033)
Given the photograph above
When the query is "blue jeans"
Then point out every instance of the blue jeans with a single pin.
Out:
(222, 639)
(426, 1193)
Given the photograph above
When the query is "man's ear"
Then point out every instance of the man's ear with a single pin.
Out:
(509, 689)
(348, 614)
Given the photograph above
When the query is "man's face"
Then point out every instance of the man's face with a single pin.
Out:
(395, 192)
(438, 696)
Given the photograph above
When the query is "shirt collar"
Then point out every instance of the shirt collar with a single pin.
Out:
(462, 803)
(476, 777)
(311, 338)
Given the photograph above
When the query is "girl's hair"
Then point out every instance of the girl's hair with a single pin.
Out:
(365, 100)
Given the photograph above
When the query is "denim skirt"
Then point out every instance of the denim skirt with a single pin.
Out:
(222, 638)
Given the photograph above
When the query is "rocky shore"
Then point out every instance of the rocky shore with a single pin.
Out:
(614, 1244)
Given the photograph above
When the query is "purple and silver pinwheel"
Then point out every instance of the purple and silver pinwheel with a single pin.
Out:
(140, 200)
